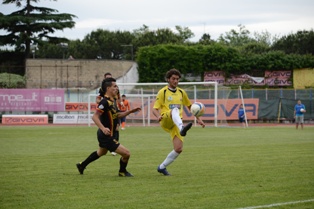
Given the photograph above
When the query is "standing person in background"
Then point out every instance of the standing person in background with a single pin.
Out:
(100, 91)
(124, 105)
(299, 110)
(168, 109)
(241, 115)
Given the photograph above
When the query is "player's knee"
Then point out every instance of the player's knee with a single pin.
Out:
(126, 154)
(101, 152)
(178, 150)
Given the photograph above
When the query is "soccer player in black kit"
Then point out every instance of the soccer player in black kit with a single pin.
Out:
(106, 117)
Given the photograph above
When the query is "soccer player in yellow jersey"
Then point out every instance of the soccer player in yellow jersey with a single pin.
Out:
(168, 110)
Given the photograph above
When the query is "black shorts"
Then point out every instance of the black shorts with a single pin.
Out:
(108, 142)
(242, 120)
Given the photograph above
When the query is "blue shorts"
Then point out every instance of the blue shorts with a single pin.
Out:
(122, 119)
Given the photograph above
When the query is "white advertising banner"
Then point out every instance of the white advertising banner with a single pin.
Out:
(72, 119)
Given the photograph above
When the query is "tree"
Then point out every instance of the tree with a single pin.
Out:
(32, 25)
(184, 33)
(301, 42)
(254, 48)
(206, 39)
(236, 38)
(265, 38)
(146, 37)
(105, 44)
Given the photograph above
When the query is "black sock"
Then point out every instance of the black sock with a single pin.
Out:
(90, 159)
(122, 166)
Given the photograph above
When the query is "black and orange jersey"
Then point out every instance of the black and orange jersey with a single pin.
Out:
(109, 111)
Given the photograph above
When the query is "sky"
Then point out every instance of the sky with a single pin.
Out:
(214, 17)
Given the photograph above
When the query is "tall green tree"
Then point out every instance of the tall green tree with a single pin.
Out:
(265, 38)
(236, 38)
(185, 33)
(301, 42)
(146, 37)
(31, 25)
(105, 44)
(206, 39)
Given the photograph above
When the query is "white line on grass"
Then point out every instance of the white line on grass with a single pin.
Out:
(278, 204)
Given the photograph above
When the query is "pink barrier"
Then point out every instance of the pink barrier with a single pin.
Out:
(31, 100)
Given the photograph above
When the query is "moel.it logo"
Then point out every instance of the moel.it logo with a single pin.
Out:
(18, 97)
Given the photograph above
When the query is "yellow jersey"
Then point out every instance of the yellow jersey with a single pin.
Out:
(167, 100)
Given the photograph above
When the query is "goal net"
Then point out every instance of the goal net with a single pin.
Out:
(213, 96)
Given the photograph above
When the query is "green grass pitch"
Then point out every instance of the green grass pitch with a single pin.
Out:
(219, 168)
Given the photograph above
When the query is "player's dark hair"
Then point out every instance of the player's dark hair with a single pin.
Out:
(123, 95)
(172, 72)
(106, 74)
(107, 83)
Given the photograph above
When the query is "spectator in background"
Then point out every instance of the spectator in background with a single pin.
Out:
(241, 115)
(299, 110)
(124, 105)
(100, 91)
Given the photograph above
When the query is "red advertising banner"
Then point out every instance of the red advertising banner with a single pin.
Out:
(216, 76)
(278, 78)
(227, 109)
(24, 119)
(219, 77)
(244, 78)
(31, 100)
(79, 107)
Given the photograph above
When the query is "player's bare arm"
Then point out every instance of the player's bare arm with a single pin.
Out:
(126, 113)
(157, 114)
(198, 119)
(96, 120)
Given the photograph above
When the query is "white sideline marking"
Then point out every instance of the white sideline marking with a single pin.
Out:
(278, 204)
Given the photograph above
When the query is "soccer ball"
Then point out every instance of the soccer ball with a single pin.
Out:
(197, 109)
(302, 110)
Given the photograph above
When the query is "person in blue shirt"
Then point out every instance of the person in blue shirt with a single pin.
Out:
(241, 115)
(299, 110)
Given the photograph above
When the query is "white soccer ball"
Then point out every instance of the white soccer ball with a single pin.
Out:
(302, 110)
(198, 109)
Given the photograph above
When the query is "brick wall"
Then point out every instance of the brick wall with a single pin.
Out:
(56, 73)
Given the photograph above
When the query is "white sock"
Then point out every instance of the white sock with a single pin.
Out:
(175, 114)
(169, 159)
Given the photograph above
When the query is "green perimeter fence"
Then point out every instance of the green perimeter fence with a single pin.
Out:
(278, 104)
